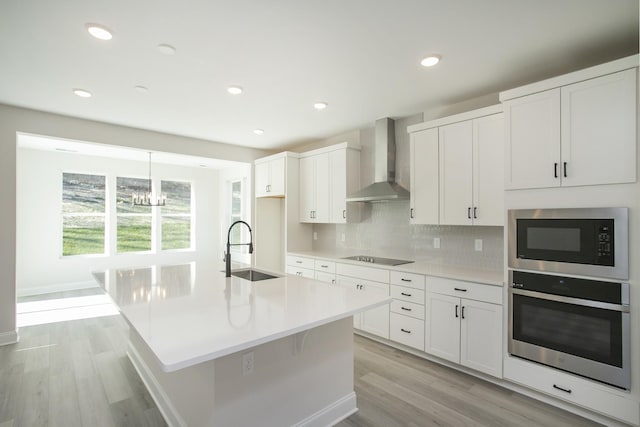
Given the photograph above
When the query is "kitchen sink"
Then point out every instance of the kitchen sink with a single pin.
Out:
(253, 275)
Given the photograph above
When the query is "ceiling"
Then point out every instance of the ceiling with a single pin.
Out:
(362, 57)
(60, 145)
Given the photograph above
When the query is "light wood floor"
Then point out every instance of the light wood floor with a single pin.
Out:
(76, 373)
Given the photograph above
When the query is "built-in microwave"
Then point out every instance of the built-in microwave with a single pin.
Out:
(581, 241)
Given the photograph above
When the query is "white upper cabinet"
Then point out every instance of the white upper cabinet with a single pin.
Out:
(424, 177)
(456, 173)
(599, 122)
(344, 178)
(270, 177)
(533, 140)
(573, 130)
(457, 166)
(488, 170)
(327, 176)
(314, 188)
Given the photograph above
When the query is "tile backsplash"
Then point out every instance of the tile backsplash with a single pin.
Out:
(384, 230)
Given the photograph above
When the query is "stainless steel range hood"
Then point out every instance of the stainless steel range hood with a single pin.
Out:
(384, 188)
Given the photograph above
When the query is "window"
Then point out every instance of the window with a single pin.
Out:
(176, 215)
(83, 214)
(133, 222)
(239, 233)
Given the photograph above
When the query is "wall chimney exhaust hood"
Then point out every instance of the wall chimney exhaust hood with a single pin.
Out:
(384, 188)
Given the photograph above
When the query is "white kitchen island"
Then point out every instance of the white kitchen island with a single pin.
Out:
(217, 351)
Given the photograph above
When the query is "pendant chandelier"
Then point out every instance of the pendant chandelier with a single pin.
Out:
(147, 198)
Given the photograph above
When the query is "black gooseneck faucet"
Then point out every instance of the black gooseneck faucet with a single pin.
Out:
(227, 256)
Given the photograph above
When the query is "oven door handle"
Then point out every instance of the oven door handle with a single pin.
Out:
(623, 308)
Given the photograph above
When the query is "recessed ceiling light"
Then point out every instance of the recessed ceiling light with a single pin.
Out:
(98, 31)
(258, 131)
(167, 49)
(430, 61)
(320, 105)
(82, 93)
(234, 90)
(141, 89)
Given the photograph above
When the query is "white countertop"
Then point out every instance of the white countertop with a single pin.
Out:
(191, 313)
(487, 277)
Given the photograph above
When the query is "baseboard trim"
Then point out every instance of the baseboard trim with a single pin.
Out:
(332, 414)
(7, 338)
(168, 411)
(58, 287)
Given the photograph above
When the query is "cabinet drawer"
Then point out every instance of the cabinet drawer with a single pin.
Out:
(408, 309)
(406, 330)
(403, 293)
(304, 272)
(301, 262)
(326, 277)
(469, 290)
(367, 273)
(326, 266)
(585, 393)
(409, 280)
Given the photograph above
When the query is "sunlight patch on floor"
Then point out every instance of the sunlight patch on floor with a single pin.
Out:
(63, 309)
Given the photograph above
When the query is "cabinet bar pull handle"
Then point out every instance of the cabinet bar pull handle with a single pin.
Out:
(405, 308)
(566, 390)
(405, 280)
(344, 214)
(459, 289)
(564, 169)
(462, 312)
(405, 331)
(469, 213)
(555, 170)
(324, 266)
(406, 295)
(475, 212)
(456, 310)
(333, 281)
(411, 213)
(298, 262)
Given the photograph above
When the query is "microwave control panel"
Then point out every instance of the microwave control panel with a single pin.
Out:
(605, 244)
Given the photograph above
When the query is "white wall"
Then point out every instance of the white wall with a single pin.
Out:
(15, 119)
(39, 264)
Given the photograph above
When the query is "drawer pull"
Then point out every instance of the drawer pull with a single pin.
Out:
(459, 289)
(405, 308)
(405, 294)
(566, 390)
(405, 280)
(298, 262)
(324, 266)
(408, 332)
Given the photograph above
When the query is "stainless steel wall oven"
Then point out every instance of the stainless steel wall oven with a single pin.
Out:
(577, 325)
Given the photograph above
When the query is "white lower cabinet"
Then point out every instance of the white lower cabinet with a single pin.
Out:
(407, 330)
(300, 266)
(375, 321)
(304, 272)
(465, 331)
(579, 391)
(326, 277)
